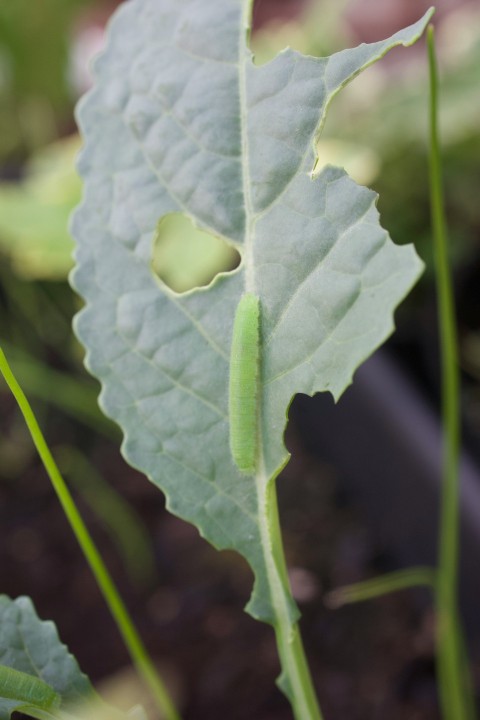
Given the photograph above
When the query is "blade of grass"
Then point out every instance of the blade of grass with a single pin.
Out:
(119, 612)
(452, 671)
(388, 583)
(76, 397)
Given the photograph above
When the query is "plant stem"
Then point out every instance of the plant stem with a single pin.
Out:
(296, 681)
(132, 640)
(378, 586)
(453, 685)
(75, 397)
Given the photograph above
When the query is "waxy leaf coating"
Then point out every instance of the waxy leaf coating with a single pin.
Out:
(181, 120)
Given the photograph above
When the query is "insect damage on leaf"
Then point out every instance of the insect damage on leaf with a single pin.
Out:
(243, 387)
(182, 121)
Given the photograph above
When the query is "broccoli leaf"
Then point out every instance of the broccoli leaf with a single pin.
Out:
(32, 649)
(181, 120)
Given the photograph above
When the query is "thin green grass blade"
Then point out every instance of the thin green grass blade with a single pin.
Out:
(376, 587)
(453, 682)
(112, 597)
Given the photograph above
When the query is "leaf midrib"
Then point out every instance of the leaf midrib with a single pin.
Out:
(278, 600)
(244, 55)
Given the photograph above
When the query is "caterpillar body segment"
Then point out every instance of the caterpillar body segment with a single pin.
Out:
(19, 686)
(243, 390)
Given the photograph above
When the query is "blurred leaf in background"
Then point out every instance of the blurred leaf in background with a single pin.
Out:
(34, 213)
(35, 92)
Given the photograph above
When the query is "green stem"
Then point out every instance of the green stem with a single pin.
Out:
(453, 686)
(76, 397)
(296, 681)
(112, 597)
(378, 586)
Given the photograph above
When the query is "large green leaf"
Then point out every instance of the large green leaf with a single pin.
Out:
(32, 646)
(181, 120)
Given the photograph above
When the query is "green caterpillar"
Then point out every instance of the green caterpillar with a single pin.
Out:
(19, 686)
(244, 361)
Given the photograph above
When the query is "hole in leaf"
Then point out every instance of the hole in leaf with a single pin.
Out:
(311, 28)
(185, 257)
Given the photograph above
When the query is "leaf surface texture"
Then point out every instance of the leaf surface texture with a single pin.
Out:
(181, 120)
(32, 646)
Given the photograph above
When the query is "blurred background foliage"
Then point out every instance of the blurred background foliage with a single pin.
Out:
(377, 129)
(35, 82)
